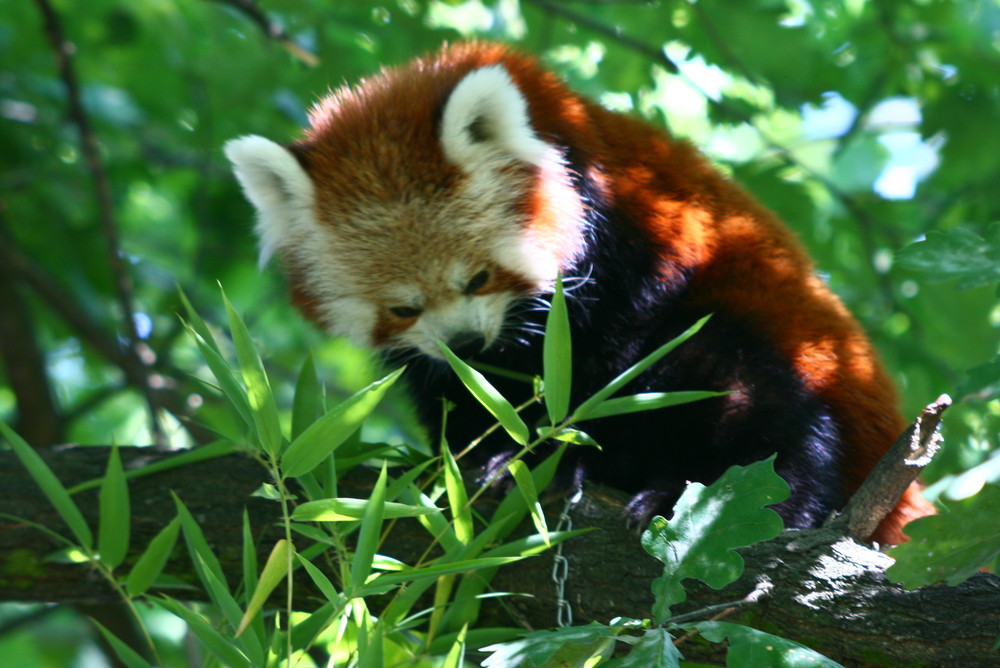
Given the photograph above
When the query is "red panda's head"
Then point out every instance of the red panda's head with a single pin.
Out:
(420, 205)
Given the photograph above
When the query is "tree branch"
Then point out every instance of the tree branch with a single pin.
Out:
(272, 30)
(823, 589)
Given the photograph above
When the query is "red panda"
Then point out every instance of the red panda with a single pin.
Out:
(441, 199)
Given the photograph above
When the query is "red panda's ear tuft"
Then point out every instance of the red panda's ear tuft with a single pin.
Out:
(275, 183)
(485, 123)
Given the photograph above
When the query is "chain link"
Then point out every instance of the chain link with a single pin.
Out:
(560, 564)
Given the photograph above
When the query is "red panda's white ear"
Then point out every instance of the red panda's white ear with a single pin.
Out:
(486, 122)
(275, 183)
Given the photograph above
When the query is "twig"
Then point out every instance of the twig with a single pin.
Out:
(654, 53)
(272, 30)
(762, 589)
(898, 468)
(91, 149)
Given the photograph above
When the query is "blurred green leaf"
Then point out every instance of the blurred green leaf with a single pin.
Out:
(752, 648)
(307, 407)
(942, 548)
(956, 254)
(569, 646)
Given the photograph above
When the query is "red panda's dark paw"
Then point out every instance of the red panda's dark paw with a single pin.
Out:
(648, 503)
(494, 472)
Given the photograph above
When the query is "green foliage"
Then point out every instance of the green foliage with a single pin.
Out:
(752, 647)
(708, 524)
(942, 547)
(812, 105)
(697, 543)
(958, 253)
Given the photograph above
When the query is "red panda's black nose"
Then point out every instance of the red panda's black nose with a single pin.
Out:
(467, 344)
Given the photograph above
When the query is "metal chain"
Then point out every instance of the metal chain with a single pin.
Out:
(560, 564)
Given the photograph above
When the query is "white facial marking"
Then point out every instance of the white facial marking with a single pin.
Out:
(485, 122)
(277, 186)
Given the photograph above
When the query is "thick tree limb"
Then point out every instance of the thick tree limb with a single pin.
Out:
(822, 589)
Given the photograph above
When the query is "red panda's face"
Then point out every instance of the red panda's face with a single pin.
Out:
(433, 239)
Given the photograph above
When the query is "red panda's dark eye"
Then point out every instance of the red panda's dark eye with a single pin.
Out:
(406, 311)
(476, 282)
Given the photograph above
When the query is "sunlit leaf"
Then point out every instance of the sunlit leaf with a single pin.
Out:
(489, 397)
(325, 435)
(708, 524)
(274, 571)
(371, 530)
(458, 500)
(261, 398)
(345, 509)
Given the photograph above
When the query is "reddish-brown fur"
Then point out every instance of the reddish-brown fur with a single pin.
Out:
(746, 259)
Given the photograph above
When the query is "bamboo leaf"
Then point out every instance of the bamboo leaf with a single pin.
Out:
(307, 406)
(368, 538)
(197, 545)
(129, 656)
(151, 562)
(114, 513)
(263, 408)
(275, 569)
(458, 500)
(385, 580)
(526, 485)
(345, 509)
(224, 650)
(489, 397)
(646, 401)
(583, 410)
(325, 435)
(51, 487)
(228, 385)
(320, 580)
(557, 357)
